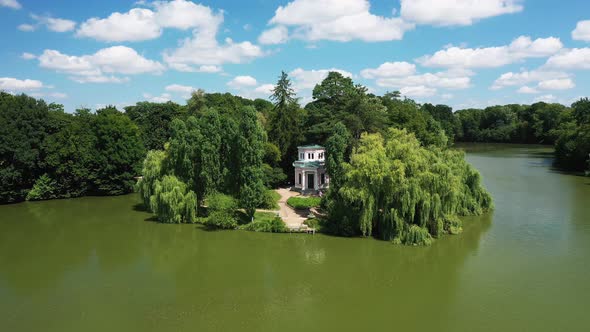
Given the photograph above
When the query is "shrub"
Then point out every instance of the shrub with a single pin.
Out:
(222, 210)
(301, 203)
(266, 222)
(270, 200)
(44, 188)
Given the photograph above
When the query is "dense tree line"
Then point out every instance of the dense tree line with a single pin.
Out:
(393, 174)
(46, 153)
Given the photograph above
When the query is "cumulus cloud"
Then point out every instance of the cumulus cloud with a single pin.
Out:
(102, 66)
(390, 69)
(576, 58)
(417, 91)
(10, 4)
(136, 25)
(276, 35)
(403, 77)
(12, 85)
(143, 24)
(239, 82)
(184, 90)
(546, 98)
(307, 79)
(527, 90)
(199, 53)
(51, 23)
(165, 97)
(521, 48)
(28, 56)
(264, 89)
(557, 84)
(338, 20)
(526, 77)
(582, 31)
(26, 27)
(456, 12)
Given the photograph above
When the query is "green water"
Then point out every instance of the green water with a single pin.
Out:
(101, 264)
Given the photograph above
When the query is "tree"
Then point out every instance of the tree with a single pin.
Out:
(118, 152)
(172, 202)
(23, 128)
(153, 170)
(153, 121)
(286, 121)
(251, 151)
(399, 191)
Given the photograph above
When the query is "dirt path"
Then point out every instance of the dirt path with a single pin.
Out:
(289, 215)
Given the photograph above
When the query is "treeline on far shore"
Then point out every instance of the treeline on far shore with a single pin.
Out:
(47, 153)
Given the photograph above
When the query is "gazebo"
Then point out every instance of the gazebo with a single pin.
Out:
(310, 170)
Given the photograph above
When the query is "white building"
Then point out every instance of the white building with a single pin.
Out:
(310, 170)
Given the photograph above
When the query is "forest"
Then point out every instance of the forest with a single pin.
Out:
(224, 152)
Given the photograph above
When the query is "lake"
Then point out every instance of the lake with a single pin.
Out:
(102, 264)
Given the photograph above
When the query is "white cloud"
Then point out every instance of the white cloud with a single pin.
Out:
(184, 90)
(582, 31)
(526, 77)
(200, 53)
(10, 4)
(53, 24)
(527, 90)
(339, 20)
(454, 79)
(265, 89)
(56, 95)
(242, 81)
(180, 88)
(11, 84)
(165, 97)
(576, 58)
(390, 69)
(456, 12)
(307, 79)
(557, 84)
(446, 96)
(521, 48)
(92, 68)
(26, 27)
(136, 25)
(546, 98)
(28, 56)
(144, 24)
(417, 91)
(276, 35)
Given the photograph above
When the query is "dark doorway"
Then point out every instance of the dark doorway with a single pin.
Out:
(311, 181)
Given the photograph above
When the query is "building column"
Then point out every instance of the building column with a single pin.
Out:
(316, 183)
(303, 180)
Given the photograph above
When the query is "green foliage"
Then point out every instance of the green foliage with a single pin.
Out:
(153, 170)
(270, 200)
(266, 222)
(572, 149)
(222, 210)
(397, 190)
(251, 151)
(44, 188)
(301, 203)
(118, 152)
(153, 120)
(172, 202)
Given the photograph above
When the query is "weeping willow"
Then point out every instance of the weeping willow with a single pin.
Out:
(165, 195)
(401, 191)
(172, 202)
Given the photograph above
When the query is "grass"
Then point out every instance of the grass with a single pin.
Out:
(301, 203)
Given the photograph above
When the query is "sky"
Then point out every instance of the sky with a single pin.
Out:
(463, 53)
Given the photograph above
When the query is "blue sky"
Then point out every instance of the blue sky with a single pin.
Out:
(463, 53)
